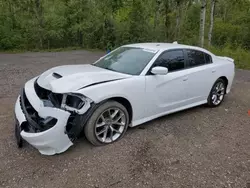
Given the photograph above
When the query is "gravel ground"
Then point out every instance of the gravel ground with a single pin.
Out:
(199, 147)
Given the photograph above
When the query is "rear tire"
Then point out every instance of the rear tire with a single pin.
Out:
(107, 124)
(217, 93)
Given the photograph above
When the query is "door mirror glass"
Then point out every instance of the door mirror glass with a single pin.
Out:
(159, 70)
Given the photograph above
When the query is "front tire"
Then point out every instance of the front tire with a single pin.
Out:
(217, 93)
(107, 124)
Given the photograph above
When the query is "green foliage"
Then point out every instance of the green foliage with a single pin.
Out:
(106, 24)
(241, 57)
(191, 26)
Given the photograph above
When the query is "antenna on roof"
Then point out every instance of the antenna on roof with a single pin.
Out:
(175, 42)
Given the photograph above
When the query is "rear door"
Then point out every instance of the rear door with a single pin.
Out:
(201, 74)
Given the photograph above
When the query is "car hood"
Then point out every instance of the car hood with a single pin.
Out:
(71, 78)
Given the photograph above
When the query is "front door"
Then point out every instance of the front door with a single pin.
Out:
(167, 92)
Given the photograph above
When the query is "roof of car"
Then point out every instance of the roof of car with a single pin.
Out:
(164, 46)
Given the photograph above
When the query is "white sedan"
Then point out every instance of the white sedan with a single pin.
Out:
(127, 87)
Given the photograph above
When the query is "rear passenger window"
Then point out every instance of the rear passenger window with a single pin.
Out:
(208, 58)
(195, 58)
(173, 60)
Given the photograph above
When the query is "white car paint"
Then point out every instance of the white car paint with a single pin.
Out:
(53, 140)
(150, 96)
(75, 77)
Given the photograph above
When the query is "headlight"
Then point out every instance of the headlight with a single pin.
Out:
(75, 102)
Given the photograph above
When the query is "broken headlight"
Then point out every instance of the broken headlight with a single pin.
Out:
(74, 102)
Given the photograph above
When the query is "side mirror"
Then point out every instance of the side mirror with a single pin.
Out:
(159, 70)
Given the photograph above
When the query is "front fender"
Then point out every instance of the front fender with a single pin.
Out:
(132, 89)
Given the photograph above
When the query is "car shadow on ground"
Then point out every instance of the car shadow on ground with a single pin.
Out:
(131, 130)
(171, 116)
(163, 123)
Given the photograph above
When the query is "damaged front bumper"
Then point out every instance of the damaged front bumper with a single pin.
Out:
(44, 127)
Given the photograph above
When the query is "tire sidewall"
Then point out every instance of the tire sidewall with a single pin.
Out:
(89, 129)
(210, 102)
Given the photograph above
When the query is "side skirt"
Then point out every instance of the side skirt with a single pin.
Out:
(144, 120)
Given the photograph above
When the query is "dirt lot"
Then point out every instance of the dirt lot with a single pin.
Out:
(200, 147)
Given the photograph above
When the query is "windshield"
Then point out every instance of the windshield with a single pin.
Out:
(126, 60)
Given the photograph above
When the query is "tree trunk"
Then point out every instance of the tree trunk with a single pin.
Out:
(202, 22)
(185, 11)
(39, 12)
(157, 10)
(12, 11)
(211, 23)
(167, 19)
(156, 17)
(178, 15)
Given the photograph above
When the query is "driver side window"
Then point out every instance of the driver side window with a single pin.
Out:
(173, 60)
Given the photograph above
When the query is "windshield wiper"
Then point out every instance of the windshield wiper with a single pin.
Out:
(109, 69)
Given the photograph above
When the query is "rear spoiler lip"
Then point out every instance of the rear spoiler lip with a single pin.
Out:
(226, 58)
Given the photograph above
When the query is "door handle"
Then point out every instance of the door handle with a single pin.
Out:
(213, 71)
(185, 79)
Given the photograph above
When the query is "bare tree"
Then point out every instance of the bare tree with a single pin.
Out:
(167, 18)
(39, 15)
(157, 11)
(202, 21)
(178, 17)
(211, 22)
(186, 9)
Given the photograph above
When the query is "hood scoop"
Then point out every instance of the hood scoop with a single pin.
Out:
(56, 75)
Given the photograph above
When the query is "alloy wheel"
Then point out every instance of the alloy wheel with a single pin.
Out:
(218, 93)
(110, 125)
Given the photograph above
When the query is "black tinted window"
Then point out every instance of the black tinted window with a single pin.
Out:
(208, 59)
(195, 58)
(173, 60)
